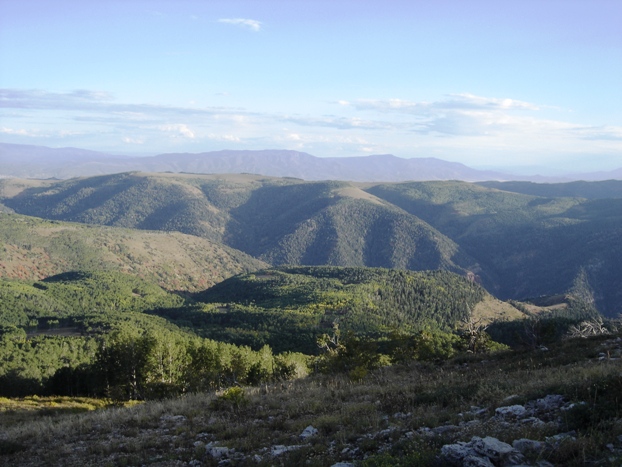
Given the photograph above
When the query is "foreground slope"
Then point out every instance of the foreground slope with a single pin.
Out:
(402, 415)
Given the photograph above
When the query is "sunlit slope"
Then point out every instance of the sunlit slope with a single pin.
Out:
(33, 249)
(79, 297)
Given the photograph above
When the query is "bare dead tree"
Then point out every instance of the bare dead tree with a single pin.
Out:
(472, 330)
(593, 327)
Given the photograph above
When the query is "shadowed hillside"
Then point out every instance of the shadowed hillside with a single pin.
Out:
(530, 245)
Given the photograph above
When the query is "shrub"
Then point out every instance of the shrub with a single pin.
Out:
(231, 398)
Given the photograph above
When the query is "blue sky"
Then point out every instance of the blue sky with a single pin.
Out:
(487, 83)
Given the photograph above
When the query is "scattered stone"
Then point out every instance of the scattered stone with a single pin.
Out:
(478, 411)
(535, 421)
(176, 419)
(455, 453)
(442, 430)
(511, 411)
(308, 432)
(494, 449)
(550, 402)
(475, 461)
(528, 446)
(471, 423)
(481, 452)
(385, 433)
(425, 431)
(343, 464)
(281, 449)
(559, 438)
(218, 452)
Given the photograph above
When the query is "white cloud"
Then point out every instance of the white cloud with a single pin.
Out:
(178, 130)
(129, 140)
(454, 102)
(342, 123)
(251, 24)
(224, 137)
(12, 131)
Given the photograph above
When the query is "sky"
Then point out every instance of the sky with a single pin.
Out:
(523, 85)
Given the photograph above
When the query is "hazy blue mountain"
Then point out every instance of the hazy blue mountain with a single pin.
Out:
(42, 162)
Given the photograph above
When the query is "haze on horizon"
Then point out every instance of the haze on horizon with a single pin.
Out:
(518, 84)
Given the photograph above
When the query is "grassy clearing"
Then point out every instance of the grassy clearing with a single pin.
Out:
(23, 410)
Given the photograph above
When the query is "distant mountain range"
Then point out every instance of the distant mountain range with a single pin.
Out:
(26, 161)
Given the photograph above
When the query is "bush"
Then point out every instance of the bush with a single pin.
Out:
(231, 398)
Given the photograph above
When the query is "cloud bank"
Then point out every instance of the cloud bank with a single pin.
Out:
(461, 127)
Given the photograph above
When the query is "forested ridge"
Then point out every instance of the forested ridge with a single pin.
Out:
(519, 240)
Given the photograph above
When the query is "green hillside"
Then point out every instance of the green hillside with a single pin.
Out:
(70, 298)
(281, 221)
(516, 245)
(33, 249)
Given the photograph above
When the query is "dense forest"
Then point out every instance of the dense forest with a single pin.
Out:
(87, 333)
(112, 334)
